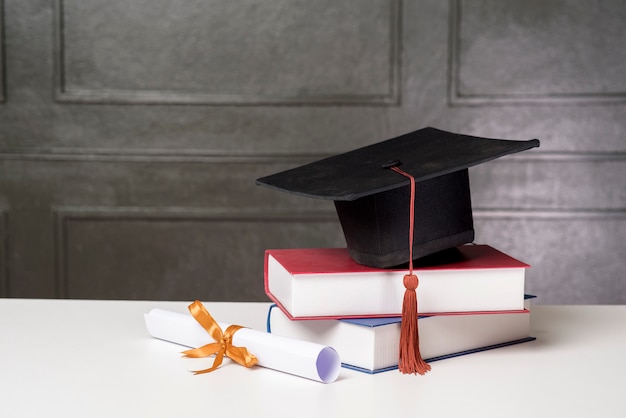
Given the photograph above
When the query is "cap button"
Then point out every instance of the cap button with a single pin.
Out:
(392, 163)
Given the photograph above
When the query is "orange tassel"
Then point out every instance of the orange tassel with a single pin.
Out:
(410, 360)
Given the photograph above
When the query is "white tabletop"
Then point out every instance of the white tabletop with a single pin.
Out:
(71, 358)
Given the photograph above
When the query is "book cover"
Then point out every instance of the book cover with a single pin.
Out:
(317, 283)
(371, 344)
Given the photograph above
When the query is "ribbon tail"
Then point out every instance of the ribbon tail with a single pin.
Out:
(216, 363)
(242, 356)
(204, 351)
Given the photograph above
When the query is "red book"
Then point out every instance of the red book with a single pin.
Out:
(315, 283)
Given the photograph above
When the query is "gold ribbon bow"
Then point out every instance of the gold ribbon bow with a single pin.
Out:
(223, 345)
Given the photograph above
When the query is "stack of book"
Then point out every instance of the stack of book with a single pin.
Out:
(472, 295)
(470, 298)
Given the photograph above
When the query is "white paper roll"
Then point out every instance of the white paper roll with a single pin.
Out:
(297, 357)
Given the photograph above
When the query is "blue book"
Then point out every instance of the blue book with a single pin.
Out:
(371, 344)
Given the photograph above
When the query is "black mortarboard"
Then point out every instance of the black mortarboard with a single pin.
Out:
(372, 200)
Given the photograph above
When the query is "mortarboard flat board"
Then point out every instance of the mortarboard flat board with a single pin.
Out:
(372, 200)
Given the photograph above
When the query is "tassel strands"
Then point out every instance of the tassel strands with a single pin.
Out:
(410, 360)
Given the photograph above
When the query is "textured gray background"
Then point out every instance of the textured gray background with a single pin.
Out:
(131, 133)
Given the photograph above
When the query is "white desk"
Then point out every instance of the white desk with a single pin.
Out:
(71, 358)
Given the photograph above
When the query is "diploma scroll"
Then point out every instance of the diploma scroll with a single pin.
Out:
(297, 357)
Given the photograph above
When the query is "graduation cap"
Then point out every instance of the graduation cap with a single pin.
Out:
(371, 199)
(414, 185)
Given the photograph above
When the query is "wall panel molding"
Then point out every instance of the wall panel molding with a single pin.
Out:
(3, 94)
(72, 216)
(204, 156)
(461, 50)
(84, 75)
(551, 215)
(68, 216)
(4, 253)
(154, 155)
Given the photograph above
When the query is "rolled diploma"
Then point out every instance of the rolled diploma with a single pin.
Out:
(297, 357)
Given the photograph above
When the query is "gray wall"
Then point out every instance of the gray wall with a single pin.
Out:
(131, 133)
